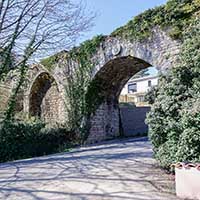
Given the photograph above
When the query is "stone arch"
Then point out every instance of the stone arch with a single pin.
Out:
(44, 100)
(112, 77)
(117, 61)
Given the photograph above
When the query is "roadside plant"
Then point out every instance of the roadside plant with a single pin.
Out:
(174, 120)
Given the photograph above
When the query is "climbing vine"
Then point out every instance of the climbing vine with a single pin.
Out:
(51, 61)
(174, 16)
(79, 107)
(78, 79)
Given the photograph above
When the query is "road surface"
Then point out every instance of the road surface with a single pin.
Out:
(114, 170)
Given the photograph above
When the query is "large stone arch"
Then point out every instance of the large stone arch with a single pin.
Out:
(44, 100)
(117, 61)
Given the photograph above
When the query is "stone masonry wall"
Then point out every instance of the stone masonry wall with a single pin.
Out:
(51, 106)
(45, 101)
(105, 123)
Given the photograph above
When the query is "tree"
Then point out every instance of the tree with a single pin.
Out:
(29, 29)
(174, 120)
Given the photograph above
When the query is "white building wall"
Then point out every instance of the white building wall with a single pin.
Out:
(155, 81)
(142, 84)
(125, 90)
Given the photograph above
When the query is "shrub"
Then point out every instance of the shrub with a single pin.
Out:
(174, 120)
(22, 140)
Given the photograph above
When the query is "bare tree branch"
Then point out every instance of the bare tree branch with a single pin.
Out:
(44, 26)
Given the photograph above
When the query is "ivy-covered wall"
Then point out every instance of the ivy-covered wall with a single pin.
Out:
(175, 16)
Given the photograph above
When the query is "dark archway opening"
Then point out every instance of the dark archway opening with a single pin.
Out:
(44, 99)
(115, 74)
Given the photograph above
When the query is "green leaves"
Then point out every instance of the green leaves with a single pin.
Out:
(175, 15)
(81, 95)
(23, 140)
(174, 121)
(50, 62)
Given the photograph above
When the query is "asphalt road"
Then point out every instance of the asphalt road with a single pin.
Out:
(114, 170)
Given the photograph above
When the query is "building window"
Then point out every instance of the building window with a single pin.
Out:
(140, 99)
(132, 88)
(149, 84)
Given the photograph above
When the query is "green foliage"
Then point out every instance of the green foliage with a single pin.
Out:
(85, 51)
(7, 61)
(189, 147)
(174, 120)
(81, 53)
(50, 62)
(23, 140)
(175, 16)
(78, 88)
(151, 95)
(93, 96)
(10, 111)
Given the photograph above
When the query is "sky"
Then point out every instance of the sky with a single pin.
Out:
(112, 14)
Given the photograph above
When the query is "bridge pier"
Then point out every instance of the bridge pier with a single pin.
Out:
(104, 123)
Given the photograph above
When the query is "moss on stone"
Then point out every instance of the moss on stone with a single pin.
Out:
(87, 48)
(81, 53)
(50, 62)
(175, 16)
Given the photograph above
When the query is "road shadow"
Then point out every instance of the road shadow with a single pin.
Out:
(120, 169)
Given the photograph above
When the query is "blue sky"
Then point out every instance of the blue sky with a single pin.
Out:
(112, 14)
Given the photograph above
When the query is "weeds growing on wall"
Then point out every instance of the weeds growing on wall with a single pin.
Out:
(174, 120)
(53, 60)
(9, 114)
(79, 106)
(174, 16)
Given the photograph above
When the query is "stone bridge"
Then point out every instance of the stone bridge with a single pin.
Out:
(119, 60)
(115, 62)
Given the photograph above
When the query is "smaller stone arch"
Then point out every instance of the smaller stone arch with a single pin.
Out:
(45, 100)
